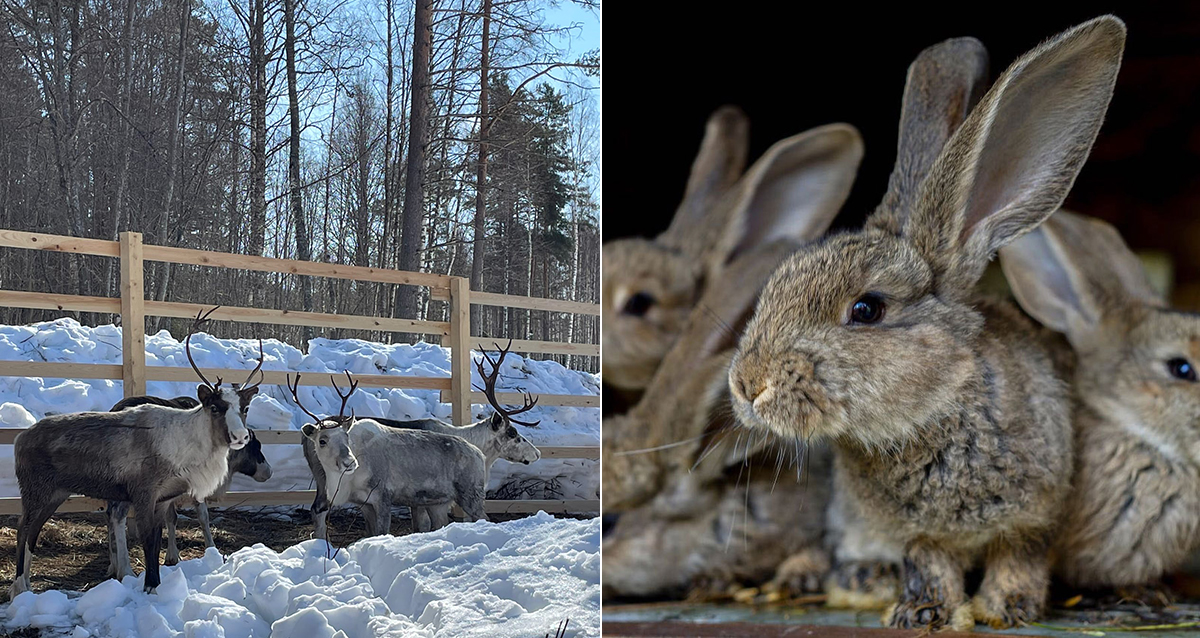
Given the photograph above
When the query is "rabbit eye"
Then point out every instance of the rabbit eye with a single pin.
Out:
(638, 304)
(868, 309)
(1182, 369)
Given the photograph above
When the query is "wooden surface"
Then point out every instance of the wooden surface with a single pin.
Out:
(298, 318)
(546, 347)
(59, 243)
(460, 351)
(669, 629)
(133, 316)
(515, 398)
(533, 303)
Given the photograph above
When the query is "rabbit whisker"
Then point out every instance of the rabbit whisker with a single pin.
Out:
(657, 448)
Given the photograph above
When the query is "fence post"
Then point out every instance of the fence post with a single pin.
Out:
(133, 316)
(460, 350)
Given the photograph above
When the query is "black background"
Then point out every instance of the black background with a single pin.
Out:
(793, 67)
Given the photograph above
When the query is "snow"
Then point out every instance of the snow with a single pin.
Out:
(25, 400)
(519, 578)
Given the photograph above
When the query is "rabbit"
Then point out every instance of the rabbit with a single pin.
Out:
(1135, 512)
(950, 424)
(948, 78)
(651, 286)
(749, 530)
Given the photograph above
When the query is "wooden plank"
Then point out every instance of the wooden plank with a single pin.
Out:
(291, 266)
(545, 347)
(133, 316)
(460, 350)
(57, 370)
(279, 377)
(680, 629)
(11, 505)
(515, 398)
(50, 301)
(534, 303)
(292, 437)
(298, 318)
(59, 243)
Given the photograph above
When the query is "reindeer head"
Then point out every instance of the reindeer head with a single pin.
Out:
(219, 403)
(511, 445)
(331, 435)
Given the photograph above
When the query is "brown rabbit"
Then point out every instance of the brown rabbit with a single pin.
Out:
(692, 508)
(1135, 513)
(951, 428)
(791, 194)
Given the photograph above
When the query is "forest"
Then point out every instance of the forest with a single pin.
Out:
(459, 137)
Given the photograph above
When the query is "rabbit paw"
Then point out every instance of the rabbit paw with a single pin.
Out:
(801, 573)
(863, 585)
(929, 615)
(710, 588)
(1152, 595)
(1012, 610)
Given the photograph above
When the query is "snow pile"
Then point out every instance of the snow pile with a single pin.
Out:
(519, 578)
(25, 400)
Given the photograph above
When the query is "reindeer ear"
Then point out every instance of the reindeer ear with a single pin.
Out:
(248, 392)
(309, 430)
(203, 392)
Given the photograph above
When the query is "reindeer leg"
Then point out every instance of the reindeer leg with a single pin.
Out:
(172, 546)
(205, 525)
(118, 540)
(36, 512)
(439, 517)
(150, 527)
(371, 518)
(420, 518)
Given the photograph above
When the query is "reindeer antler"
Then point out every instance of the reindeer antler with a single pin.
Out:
(294, 387)
(489, 389)
(258, 368)
(344, 397)
(201, 319)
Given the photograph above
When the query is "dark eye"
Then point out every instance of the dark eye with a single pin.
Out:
(638, 304)
(1182, 369)
(215, 410)
(868, 309)
(323, 442)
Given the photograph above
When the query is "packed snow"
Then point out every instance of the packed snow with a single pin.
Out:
(25, 400)
(520, 578)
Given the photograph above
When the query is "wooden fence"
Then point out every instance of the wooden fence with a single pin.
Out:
(134, 373)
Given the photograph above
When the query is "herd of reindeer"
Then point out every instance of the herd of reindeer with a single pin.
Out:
(151, 453)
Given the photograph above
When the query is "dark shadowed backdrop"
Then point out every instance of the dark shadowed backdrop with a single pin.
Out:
(793, 67)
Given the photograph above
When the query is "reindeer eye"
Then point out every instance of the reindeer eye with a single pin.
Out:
(1181, 368)
(868, 309)
(214, 409)
(638, 305)
(323, 442)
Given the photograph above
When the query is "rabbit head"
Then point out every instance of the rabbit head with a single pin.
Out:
(791, 194)
(1135, 357)
(867, 336)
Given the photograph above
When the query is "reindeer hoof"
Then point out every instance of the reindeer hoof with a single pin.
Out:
(171, 560)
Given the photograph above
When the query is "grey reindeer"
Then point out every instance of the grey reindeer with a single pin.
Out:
(148, 455)
(495, 436)
(248, 460)
(375, 466)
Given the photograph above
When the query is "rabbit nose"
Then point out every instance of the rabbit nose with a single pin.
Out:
(750, 388)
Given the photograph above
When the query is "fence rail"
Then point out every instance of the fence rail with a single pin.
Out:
(133, 308)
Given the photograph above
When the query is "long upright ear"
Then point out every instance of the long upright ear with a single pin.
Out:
(1012, 162)
(717, 167)
(1071, 271)
(793, 191)
(944, 83)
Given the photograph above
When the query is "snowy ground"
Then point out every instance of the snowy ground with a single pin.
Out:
(519, 579)
(24, 400)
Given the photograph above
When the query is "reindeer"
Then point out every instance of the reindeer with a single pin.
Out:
(248, 460)
(495, 436)
(148, 455)
(373, 466)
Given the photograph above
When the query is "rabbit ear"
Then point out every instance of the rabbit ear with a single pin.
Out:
(1072, 270)
(717, 167)
(1012, 162)
(944, 83)
(793, 191)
